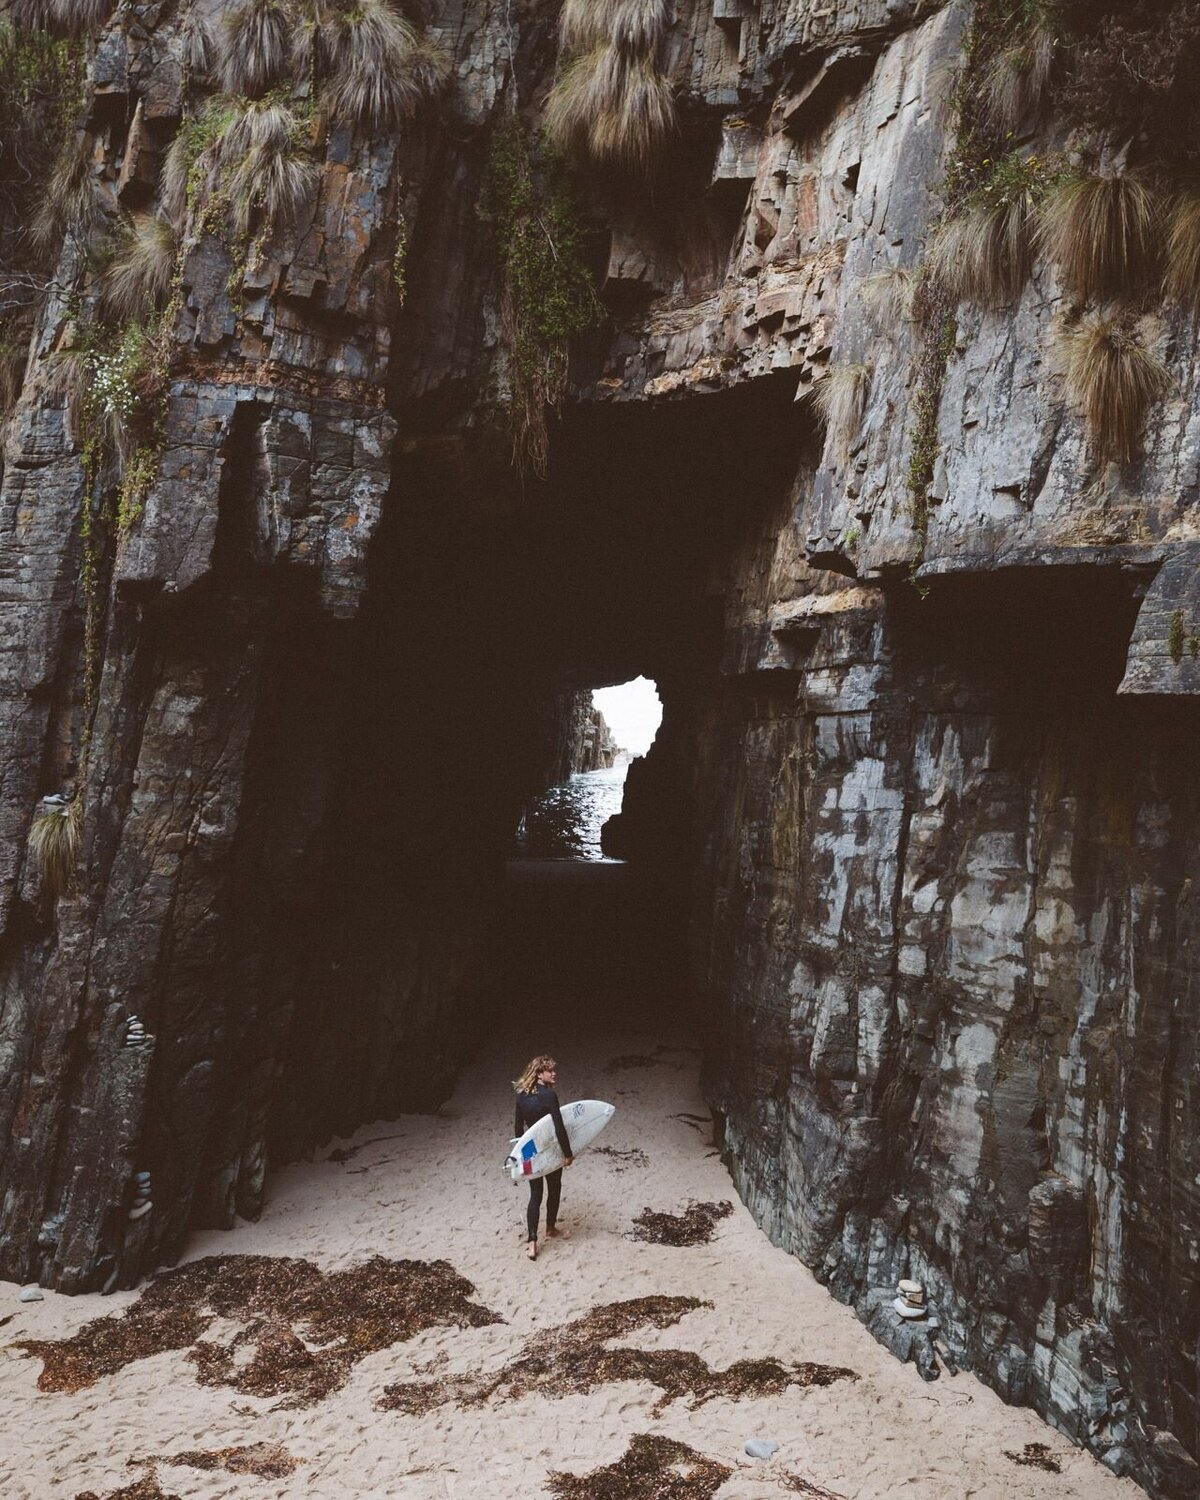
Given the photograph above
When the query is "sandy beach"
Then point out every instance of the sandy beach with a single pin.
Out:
(430, 1188)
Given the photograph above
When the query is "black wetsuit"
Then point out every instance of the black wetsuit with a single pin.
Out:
(530, 1109)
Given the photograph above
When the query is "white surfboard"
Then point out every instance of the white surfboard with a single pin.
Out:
(538, 1152)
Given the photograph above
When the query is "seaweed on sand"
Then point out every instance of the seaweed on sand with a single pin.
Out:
(651, 1468)
(264, 1460)
(144, 1489)
(621, 1159)
(286, 1305)
(695, 1226)
(1036, 1456)
(573, 1359)
(796, 1484)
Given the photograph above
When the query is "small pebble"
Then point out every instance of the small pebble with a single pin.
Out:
(32, 1294)
(761, 1447)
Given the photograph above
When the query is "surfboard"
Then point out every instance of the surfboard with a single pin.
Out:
(538, 1152)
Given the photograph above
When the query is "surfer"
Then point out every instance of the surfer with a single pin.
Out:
(536, 1099)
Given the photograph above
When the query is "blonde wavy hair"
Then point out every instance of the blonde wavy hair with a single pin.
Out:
(528, 1079)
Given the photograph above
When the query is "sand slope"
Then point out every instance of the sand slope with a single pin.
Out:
(430, 1187)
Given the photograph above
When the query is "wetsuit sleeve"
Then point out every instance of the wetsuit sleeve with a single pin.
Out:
(560, 1130)
(518, 1123)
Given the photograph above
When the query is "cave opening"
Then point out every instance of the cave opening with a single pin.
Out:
(492, 609)
(605, 733)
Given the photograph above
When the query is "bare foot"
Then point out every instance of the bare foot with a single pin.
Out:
(558, 1234)
(531, 1249)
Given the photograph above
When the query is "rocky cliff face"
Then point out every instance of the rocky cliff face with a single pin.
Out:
(597, 747)
(929, 700)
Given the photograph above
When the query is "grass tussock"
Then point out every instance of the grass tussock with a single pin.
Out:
(1103, 232)
(1114, 378)
(983, 254)
(254, 47)
(137, 280)
(634, 27)
(198, 45)
(651, 1468)
(74, 18)
(573, 1359)
(303, 1330)
(1016, 79)
(29, 15)
(588, 87)
(840, 400)
(78, 17)
(1182, 278)
(888, 297)
(54, 843)
(72, 204)
(380, 69)
(193, 160)
(610, 103)
(249, 156)
(272, 171)
(616, 111)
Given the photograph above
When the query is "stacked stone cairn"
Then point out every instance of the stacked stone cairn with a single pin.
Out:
(910, 1303)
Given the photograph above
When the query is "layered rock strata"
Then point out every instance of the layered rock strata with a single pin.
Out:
(938, 841)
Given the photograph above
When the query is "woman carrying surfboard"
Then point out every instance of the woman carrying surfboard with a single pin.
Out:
(536, 1099)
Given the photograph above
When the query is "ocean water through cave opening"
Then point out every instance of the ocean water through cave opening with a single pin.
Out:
(569, 818)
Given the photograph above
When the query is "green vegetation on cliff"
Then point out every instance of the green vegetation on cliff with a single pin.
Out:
(41, 82)
(548, 294)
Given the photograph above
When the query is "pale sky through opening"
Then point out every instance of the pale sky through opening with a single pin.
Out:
(633, 712)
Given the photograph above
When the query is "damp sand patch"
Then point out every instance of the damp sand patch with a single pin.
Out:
(572, 1360)
(651, 1468)
(304, 1329)
(1037, 1456)
(695, 1226)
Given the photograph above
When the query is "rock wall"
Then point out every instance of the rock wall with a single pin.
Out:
(597, 747)
(939, 838)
